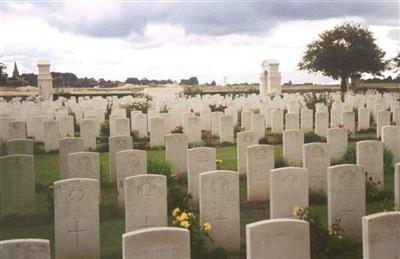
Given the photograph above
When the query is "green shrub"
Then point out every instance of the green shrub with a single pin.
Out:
(325, 244)
(311, 99)
(350, 157)
(199, 234)
(178, 196)
(105, 128)
(374, 192)
(237, 129)
(255, 110)
(215, 108)
(280, 162)
(138, 104)
(317, 197)
(263, 140)
(274, 139)
(218, 253)
(311, 137)
(38, 148)
(164, 108)
(388, 161)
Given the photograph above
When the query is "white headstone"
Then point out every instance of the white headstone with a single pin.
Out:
(260, 161)
(219, 205)
(338, 141)
(68, 146)
(288, 190)
(175, 152)
(152, 243)
(244, 139)
(129, 163)
(381, 235)
(76, 218)
(84, 165)
(88, 129)
(293, 141)
(25, 248)
(346, 198)
(145, 201)
(278, 238)
(316, 160)
(17, 185)
(116, 144)
(370, 157)
(200, 160)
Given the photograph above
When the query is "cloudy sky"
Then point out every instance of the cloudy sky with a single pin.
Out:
(161, 39)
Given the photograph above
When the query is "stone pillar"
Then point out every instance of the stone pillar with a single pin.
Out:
(270, 78)
(45, 82)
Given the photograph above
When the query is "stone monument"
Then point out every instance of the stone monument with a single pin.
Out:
(45, 82)
(270, 78)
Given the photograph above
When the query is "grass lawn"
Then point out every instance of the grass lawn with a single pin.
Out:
(112, 219)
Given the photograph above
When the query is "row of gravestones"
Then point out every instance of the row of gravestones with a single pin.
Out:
(221, 124)
(278, 238)
(251, 157)
(181, 161)
(77, 223)
(220, 193)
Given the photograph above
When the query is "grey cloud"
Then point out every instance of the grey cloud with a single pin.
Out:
(217, 18)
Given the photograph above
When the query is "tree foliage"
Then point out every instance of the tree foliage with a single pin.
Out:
(345, 51)
(191, 81)
(3, 74)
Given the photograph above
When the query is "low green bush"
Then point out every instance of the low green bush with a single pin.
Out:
(310, 137)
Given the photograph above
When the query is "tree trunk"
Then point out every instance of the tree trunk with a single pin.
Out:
(343, 86)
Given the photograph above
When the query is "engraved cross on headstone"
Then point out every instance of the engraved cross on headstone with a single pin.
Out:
(220, 218)
(147, 223)
(76, 231)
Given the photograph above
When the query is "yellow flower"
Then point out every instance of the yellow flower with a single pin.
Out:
(207, 227)
(340, 237)
(185, 224)
(219, 161)
(296, 211)
(191, 215)
(175, 212)
(184, 216)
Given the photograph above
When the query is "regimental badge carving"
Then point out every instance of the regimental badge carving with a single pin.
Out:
(248, 138)
(348, 178)
(120, 143)
(371, 148)
(84, 164)
(133, 160)
(202, 156)
(317, 151)
(261, 153)
(219, 184)
(76, 194)
(19, 147)
(146, 189)
(290, 181)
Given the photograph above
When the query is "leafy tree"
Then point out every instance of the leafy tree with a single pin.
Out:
(30, 78)
(3, 74)
(345, 51)
(191, 81)
(213, 83)
(396, 62)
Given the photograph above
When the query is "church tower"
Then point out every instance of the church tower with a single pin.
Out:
(15, 72)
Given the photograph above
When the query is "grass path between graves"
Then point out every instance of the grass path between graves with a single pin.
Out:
(112, 220)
